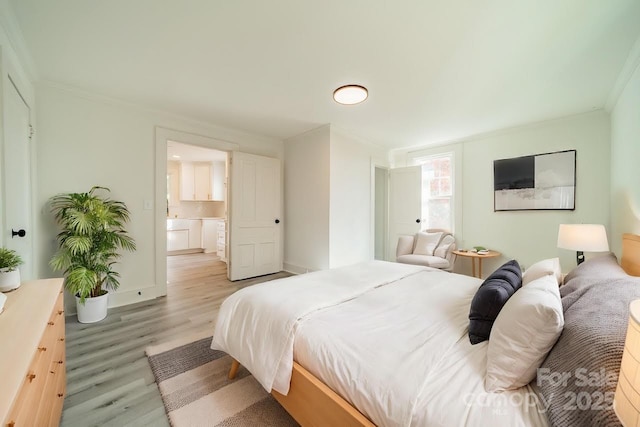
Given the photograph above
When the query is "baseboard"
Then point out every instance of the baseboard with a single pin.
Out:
(116, 299)
(296, 269)
(186, 252)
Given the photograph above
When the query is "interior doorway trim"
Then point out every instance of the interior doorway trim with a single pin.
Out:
(162, 136)
(378, 164)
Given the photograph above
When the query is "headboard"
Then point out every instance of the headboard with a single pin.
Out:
(631, 254)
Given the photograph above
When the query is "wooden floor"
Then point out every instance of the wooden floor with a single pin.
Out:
(109, 381)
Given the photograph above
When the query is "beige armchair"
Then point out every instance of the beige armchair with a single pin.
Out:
(437, 254)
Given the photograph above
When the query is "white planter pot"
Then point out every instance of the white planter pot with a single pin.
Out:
(93, 310)
(9, 280)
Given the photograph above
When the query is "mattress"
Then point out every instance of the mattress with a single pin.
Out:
(401, 355)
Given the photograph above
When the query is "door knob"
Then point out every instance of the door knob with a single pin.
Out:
(19, 233)
(418, 221)
(277, 221)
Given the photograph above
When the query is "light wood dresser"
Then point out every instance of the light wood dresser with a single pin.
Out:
(32, 355)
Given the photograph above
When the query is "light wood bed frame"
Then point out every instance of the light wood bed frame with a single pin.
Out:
(313, 404)
(631, 254)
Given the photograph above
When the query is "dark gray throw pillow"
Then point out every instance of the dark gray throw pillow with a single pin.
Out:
(490, 298)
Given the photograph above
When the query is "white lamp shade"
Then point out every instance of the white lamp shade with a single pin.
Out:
(626, 402)
(583, 237)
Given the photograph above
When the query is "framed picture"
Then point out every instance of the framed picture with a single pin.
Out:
(539, 182)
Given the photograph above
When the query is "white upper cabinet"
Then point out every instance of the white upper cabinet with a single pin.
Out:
(173, 184)
(195, 181)
(202, 181)
(218, 187)
(187, 182)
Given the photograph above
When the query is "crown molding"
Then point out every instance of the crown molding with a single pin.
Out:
(630, 66)
(497, 132)
(235, 134)
(9, 23)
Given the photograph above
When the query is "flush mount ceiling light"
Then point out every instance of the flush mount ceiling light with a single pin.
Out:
(350, 94)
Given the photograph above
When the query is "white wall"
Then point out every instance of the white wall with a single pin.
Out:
(351, 237)
(529, 236)
(328, 193)
(625, 163)
(86, 140)
(306, 195)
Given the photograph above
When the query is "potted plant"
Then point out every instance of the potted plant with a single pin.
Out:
(9, 272)
(92, 234)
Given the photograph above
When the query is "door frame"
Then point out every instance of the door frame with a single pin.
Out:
(162, 136)
(378, 165)
(13, 74)
(397, 225)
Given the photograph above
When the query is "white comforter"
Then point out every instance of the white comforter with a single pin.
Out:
(390, 338)
(256, 324)
(405, 358)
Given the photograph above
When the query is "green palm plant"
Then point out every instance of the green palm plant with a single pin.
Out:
(9, 260)
(92, 234)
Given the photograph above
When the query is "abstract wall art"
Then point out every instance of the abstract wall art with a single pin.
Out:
(538, 182)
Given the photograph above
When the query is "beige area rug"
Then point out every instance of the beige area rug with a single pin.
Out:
(195, 389)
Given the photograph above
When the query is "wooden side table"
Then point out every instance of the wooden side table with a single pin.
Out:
(476, 256)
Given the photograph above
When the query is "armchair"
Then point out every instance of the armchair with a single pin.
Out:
(442, 256)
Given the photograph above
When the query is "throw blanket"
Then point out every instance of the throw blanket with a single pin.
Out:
(256, 325)
(578, 379)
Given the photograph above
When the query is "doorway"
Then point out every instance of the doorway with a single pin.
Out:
(381, 204)
(254, 208)
(167, 191)
(196, 207)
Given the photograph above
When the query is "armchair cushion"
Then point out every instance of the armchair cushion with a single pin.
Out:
(446, 245)
(440, 242)
(426, 243)
(405, 245)
(426, 260)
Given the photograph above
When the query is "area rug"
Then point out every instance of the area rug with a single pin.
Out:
(196, 391)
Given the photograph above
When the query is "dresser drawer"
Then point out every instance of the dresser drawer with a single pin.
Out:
(24, 410)
(53, 392)
(38, 402)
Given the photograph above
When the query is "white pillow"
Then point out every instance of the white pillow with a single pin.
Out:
(443, 247)
(543, 268)
(426, 243)
(524, 332)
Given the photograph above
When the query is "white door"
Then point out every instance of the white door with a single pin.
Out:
(18, 233)
(254, 216)
(405, 199)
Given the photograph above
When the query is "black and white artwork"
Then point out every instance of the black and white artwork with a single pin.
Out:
(542, 181)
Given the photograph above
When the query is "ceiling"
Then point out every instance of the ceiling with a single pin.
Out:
(193, 153)
(436, 70)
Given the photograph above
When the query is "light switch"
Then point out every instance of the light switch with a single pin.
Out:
(148, 205)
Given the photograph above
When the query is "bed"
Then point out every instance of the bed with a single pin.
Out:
(387, 339)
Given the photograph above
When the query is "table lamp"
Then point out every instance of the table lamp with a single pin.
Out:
(583, 238)
(626, 402)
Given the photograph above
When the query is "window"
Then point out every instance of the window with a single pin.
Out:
(437, 191)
